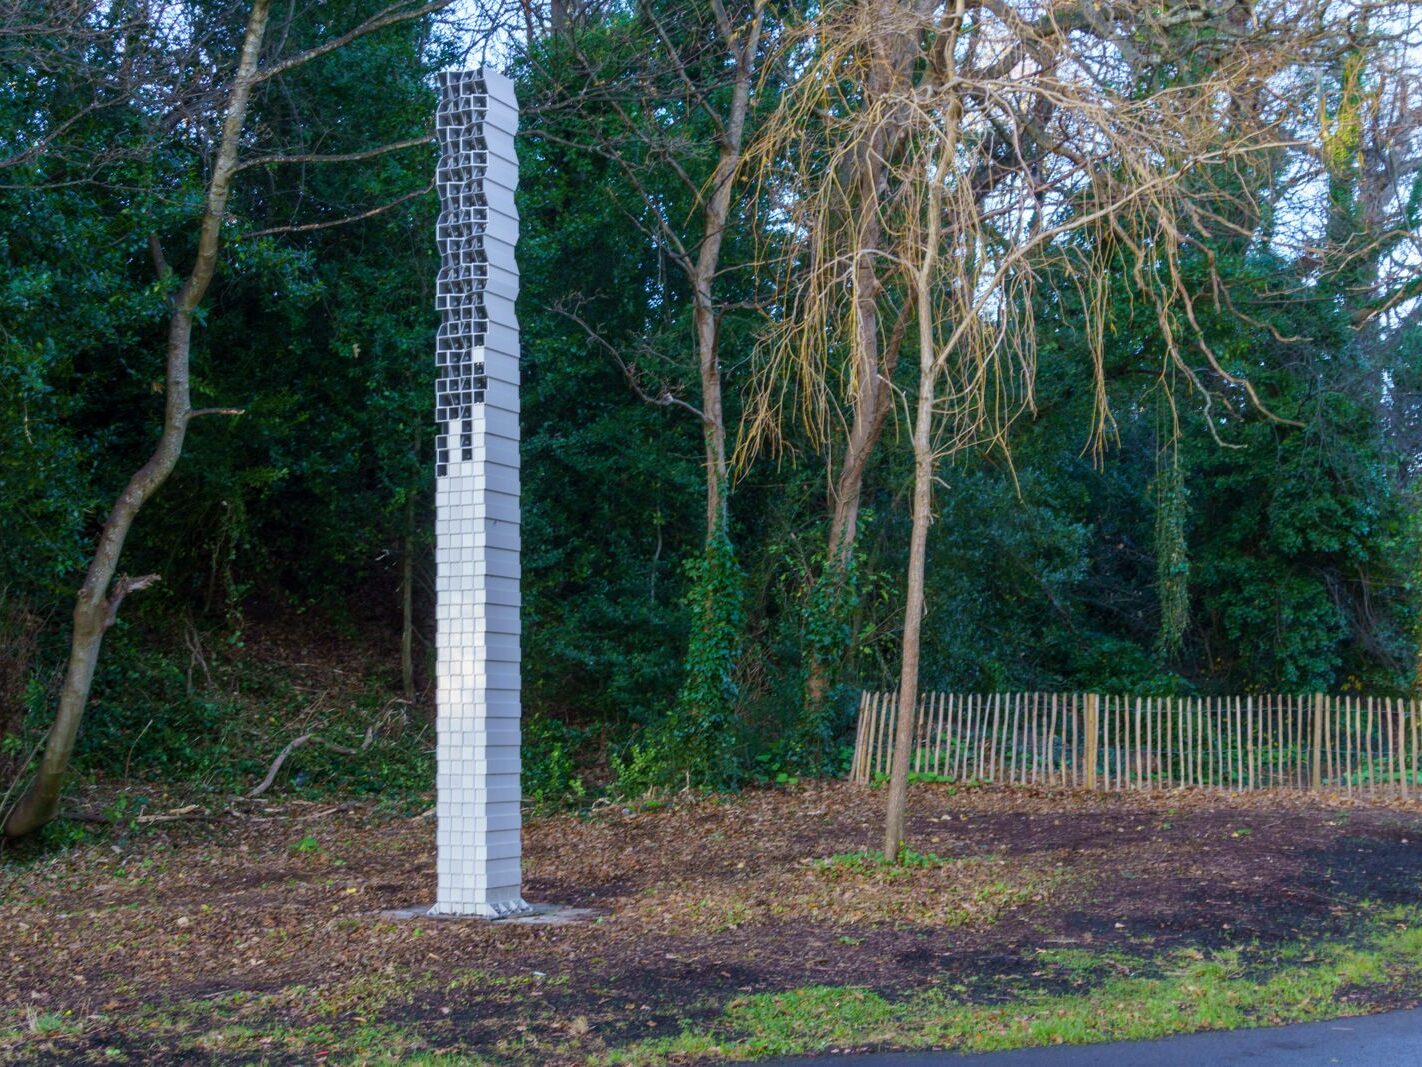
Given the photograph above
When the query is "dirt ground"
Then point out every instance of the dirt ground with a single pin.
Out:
(258, 936)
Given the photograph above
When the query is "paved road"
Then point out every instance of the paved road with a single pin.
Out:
(1393, 1039)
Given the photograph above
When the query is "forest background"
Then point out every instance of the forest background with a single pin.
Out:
(690, 618)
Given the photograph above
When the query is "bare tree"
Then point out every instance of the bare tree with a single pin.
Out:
(100, 596)
(669, 102)
(961, 162)
(645, 145)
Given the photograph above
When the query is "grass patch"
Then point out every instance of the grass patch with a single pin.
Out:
(350, 1021)
(866, 862)
(1192, 994)
(1079, 967)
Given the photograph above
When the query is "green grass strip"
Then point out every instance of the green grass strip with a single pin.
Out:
(1194, 994)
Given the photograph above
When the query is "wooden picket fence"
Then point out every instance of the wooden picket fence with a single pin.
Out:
(1352, 744)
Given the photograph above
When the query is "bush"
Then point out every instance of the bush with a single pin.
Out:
(550, 773)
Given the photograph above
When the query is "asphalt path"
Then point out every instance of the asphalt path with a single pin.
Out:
(1392, 1039)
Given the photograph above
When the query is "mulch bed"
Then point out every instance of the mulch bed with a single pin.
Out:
(704, 901)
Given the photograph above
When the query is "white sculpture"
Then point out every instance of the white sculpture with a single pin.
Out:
(477, 500)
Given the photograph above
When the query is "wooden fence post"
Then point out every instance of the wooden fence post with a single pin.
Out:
(1318, 712)
(859, 736)
(916, 756)
(1093, 720)
(876, 740)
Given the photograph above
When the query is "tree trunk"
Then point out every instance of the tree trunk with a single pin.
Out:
(929, 366)
(913, 623)
(95, 606)
(713, 418)
(703, 275)
(40, 802)
(873, 361)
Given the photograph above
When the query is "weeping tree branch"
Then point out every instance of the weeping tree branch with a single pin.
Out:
(972, 166)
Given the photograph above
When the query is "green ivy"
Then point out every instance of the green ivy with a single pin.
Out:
(827, 636)
(1172, 557)
(695, 744)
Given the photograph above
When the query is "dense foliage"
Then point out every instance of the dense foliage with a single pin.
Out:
(1202, 551)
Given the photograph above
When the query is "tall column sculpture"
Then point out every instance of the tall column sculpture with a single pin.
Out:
(477, 500)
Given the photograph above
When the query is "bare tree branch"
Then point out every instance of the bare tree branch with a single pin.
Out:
(307, 227)
(217, 411)
(661, 398)
(121, 589)
(390, 16)
(336, 157)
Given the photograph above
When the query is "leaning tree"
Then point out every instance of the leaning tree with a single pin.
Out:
(176, 69)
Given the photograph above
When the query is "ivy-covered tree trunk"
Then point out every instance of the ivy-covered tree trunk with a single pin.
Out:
(873, 356)
(706, 706)
(707, 701)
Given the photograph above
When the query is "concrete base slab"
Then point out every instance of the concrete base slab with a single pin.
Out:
(534, 915)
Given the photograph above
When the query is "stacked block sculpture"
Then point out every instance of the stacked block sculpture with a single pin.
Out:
(477, 500)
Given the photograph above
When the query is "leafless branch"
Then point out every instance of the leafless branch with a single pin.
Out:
(307, 227)
(301, 742)
(336, 157)
(216, 411)
(121, 589)
(390, 16)
(663, 397)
